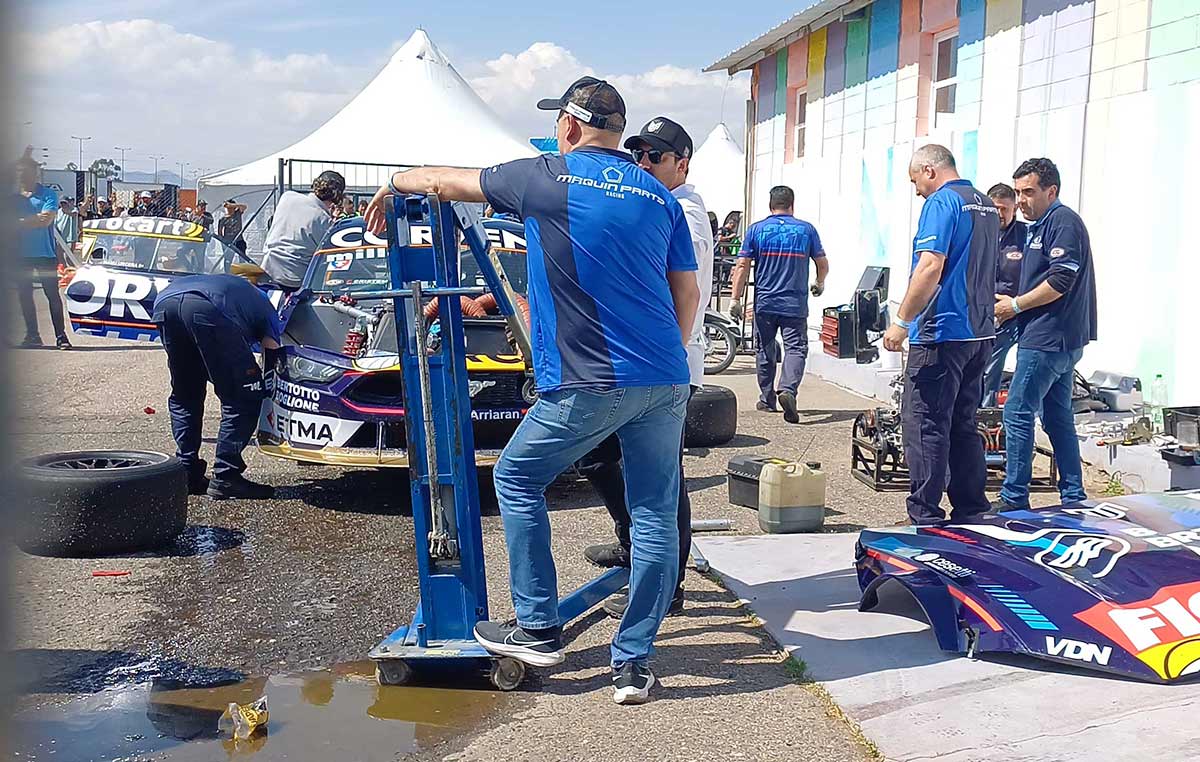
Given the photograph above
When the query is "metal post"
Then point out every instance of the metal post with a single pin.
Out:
(122, 150)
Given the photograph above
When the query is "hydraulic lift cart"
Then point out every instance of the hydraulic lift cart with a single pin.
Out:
(441, 449)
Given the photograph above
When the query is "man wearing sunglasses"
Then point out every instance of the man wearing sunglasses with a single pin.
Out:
(664, 149)
(613, 297)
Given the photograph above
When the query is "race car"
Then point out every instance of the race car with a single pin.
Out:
(1111, 585)
(127, 262)
(335, 386)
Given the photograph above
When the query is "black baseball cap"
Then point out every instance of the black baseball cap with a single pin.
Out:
(591, 101)
(665, 135)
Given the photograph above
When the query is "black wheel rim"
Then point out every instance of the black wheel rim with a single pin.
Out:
(96, 462)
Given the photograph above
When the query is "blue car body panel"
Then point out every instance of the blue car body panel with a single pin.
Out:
(1111, 585)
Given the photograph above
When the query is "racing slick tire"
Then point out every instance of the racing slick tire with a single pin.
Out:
(100, 502)
(711, 417)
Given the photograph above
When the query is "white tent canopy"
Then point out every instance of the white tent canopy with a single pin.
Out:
(718, 171)
(417, 111)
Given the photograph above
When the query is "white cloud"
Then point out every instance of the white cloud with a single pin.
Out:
(149, 85)
(512, 84)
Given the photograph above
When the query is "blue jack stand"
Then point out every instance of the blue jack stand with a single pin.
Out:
(441, 451)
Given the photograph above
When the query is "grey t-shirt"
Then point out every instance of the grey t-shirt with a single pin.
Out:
(300, 224)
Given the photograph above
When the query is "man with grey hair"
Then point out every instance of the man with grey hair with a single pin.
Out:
(947, 315)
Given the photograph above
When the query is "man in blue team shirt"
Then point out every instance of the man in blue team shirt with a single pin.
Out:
(35, 207)
(612, 299)
(781, 247)
(1056, 311)
(946, 315)
(209, 324)
(1008, 281)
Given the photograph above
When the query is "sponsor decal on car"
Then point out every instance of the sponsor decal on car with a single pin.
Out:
(296, 397)
(1078, 650)
(1163, 631)
(158, 227)
(299, 428)
(944, 565)
(123, 293)
(1064, 550)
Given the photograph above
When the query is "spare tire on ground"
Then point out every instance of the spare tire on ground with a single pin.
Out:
(100, 502)
(711, 417)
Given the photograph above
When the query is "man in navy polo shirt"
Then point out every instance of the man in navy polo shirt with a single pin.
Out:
(780, 247)
(946, 315)
(612, 297)
(1056, 312)
(1008, 281)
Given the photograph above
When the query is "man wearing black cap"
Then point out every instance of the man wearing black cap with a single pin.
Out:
(613, 297)
(300, 224)
(664, 149)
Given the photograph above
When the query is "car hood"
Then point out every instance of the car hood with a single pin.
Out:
(1110, 584)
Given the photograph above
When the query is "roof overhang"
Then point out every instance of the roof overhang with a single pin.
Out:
(812, 16)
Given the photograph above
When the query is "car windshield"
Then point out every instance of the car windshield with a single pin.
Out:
(163, 254)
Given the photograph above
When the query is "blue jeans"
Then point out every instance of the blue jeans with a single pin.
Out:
(1006, 339)
(794, 331)
(1042, 382)
(561, 428)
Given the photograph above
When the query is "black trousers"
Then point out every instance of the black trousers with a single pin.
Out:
(44, 275)
(602, 468)
(943, 386)
(202, 346)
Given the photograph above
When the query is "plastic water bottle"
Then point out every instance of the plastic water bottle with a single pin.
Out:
(1158, 400)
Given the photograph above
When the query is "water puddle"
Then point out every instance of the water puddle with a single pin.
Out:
(334, 714)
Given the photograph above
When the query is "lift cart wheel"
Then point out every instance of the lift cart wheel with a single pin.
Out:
(393, 672)
(507, 674)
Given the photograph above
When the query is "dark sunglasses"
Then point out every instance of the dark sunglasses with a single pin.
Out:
(654, 154)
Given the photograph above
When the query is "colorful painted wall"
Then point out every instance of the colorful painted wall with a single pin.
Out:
(1108, 89)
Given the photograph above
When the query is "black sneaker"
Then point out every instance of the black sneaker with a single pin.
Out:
(197, 481)
(632, 683)
(787, 401)
(615, 605)
(31, 342)
(765, 408)
(999, 505)
(538, 648)
(238, 488)
(62, 342)
(608, 556)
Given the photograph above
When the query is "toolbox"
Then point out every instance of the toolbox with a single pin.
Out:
(743, 472)
(1183, 423)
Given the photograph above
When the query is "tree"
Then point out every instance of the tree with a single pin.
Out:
(104, 169)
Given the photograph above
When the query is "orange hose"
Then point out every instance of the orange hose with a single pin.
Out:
(487, 303)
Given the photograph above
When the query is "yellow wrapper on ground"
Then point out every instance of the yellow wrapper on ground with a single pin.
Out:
(244, 719)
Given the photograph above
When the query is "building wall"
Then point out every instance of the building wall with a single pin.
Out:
(1108, 89)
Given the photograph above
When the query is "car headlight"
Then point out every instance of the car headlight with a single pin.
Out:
(529, 392)
(304, 369)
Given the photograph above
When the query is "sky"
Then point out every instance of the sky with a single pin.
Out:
(219, 83)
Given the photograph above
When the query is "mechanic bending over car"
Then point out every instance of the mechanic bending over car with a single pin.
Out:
(35, 207)
(613, 298)
(300, 223)
(209, 325)
(664, 149)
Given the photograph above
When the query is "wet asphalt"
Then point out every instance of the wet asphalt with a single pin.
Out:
(309, 581)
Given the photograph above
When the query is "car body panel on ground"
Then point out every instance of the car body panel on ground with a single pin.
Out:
(1111, 585)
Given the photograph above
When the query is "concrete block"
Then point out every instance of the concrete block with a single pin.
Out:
(1065, 66)
(1174, 37)
(1074, 13)
(1071, 92)
(1076, 36)
(1174, 69)
(907, 86)
(1166, 11)
(1034, 100)
(1133, 16)
(970, 91)
(1130, 78)
(1104, 27)
(1035, 74)
(1131, 47)
(881, 136)
(1101, 85)
(1104, 55)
